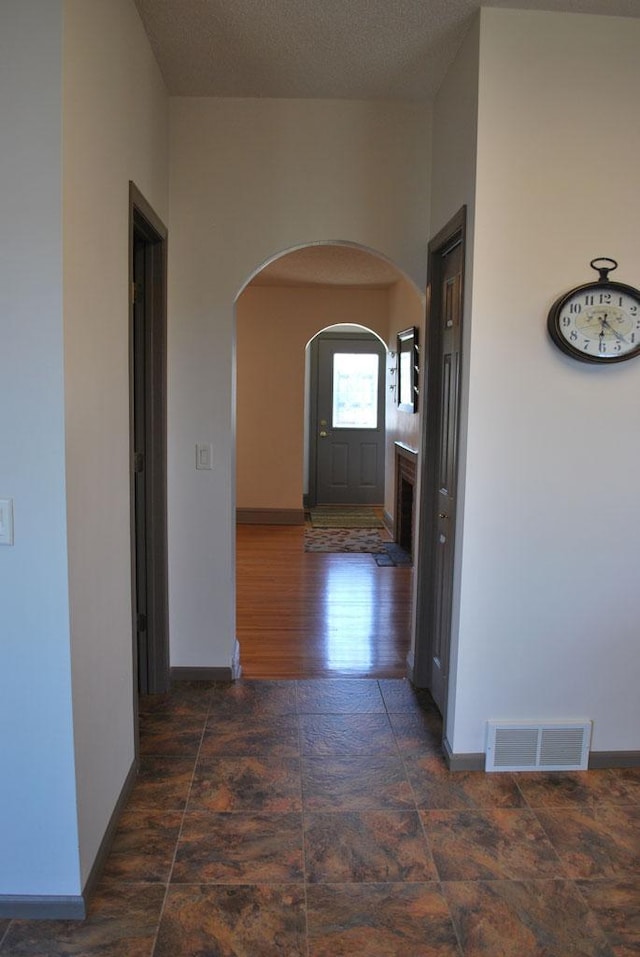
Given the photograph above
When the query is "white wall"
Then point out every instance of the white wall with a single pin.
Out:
(453, 186)
(38, 827)
(250, 179)
(548, 615)
(115, 130)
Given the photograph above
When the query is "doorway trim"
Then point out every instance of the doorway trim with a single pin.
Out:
(452, 234)
(145, 225)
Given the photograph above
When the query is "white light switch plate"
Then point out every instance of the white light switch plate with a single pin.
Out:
(204, 455)
(6, 521)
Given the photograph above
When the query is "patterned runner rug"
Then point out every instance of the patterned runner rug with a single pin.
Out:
(343, 540)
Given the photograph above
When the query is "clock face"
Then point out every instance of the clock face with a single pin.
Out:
(598, 322)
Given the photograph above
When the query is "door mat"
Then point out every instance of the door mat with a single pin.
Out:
(393, 556)
(343, 540)
(338, 516)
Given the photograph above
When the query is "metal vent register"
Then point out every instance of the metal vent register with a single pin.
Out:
(528, 746)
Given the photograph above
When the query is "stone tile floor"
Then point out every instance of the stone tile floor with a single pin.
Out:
(317, 819)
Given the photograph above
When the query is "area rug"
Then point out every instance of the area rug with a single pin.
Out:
(343, 540)
(393, 556)
(343, 516)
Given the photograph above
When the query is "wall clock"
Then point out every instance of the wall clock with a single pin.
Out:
(599, 321)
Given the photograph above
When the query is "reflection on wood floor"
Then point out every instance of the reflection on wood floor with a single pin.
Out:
(308, 615)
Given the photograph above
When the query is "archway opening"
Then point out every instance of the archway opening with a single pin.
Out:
(283, 307)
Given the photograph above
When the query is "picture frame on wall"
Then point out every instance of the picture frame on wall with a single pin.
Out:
(407, 386)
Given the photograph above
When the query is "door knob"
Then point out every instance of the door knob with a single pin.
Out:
(323, 434)
(442, 515)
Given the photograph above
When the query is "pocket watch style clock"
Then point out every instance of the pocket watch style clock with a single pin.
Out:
(600, 321)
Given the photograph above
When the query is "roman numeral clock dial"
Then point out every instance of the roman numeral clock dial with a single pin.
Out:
(599, 321)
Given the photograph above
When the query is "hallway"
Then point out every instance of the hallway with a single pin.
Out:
(310, 615)
(316, 818)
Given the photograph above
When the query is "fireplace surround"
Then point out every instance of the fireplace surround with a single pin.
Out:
(406, 466)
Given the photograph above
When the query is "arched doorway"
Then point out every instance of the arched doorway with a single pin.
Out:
(280, 310)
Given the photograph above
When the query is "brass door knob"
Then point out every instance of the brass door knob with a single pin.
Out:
(323, 434)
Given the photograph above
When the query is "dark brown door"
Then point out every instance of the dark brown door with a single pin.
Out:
(450, 316)
(140, 458)
(440, 461)
(148, 446)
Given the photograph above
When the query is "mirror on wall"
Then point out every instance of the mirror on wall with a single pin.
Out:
(408, 369)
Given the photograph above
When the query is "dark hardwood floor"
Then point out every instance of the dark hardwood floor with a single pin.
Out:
(306, 615)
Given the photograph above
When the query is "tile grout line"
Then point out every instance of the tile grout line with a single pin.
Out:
(592, 912)
(416, 809)
(564, 878)
(584, 888)
(532, 810)
(184, 813)
(439, 881)
(441, 885)
(4, 935)
(302, 822)
(552, 845)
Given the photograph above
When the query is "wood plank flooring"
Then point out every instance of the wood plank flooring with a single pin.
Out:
(306, 615)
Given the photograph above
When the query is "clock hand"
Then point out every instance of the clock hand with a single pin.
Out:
(601, 346)
(617, 334)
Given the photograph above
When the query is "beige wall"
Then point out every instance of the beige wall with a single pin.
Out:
(273, 327)
(115, 130)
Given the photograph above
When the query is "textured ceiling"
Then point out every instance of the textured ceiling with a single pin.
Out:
(345, 49)
(329, 265)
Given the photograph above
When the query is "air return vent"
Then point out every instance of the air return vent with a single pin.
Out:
(527, 746)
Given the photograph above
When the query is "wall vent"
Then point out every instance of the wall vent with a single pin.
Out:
(531, 746)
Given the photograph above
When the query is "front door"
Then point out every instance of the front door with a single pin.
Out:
(349, 421)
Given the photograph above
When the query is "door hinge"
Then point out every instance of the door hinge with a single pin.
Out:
(133, 292)
(138, 461)
(141, 623)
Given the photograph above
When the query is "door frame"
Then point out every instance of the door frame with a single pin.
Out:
(452, 234)
(145, 224)
(311, 497)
